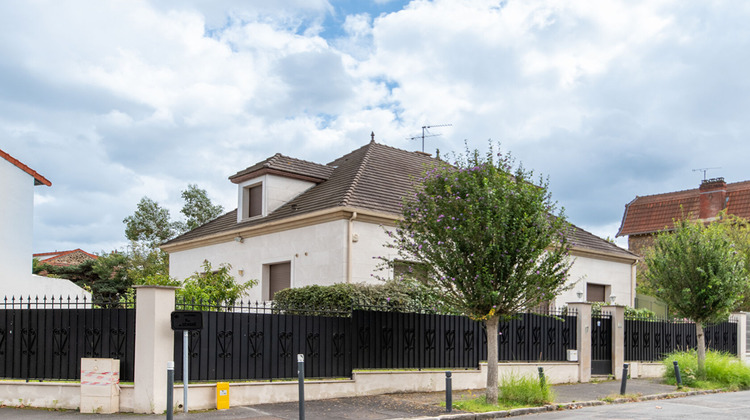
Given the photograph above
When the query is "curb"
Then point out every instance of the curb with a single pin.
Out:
(562, 406)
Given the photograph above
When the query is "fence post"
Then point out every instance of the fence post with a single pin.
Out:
(154, 346)
(583, 339)
(741, 334)
(618, 337)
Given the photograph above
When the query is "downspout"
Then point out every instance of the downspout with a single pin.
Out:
(632, 283)
(350, 233)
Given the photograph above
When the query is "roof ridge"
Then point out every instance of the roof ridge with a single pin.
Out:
(357, 176)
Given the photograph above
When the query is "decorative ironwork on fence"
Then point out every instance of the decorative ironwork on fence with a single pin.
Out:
(258, 341)
(45, 338)
(649, 339)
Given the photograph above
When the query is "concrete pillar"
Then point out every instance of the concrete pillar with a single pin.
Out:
(154, 346)
(583, 334)
(741, 318)
(618, 337)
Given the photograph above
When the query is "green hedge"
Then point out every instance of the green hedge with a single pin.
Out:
(346, 296)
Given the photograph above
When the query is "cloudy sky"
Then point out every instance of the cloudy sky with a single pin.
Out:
(116, 100)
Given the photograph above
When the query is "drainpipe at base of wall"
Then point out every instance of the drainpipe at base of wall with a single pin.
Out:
(350, 232)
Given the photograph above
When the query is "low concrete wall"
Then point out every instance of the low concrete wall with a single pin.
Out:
(646, 369)
(203, 396)
(40, 394)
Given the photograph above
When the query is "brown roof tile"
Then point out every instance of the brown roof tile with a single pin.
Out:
(653, 213)
(374, 177)
(279, 162)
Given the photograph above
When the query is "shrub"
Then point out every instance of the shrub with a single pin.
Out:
(722, 370)
(525, 390)
(346, 296)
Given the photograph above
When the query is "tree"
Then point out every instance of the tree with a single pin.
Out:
(149, 224)
(198, 208)
(699, 273)
(213, 286)
(488, 239)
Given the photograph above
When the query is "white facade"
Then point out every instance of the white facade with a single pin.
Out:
(318, 255)
(16, 233)
(616, 274)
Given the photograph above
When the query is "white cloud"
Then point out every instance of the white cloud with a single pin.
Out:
(116, 100)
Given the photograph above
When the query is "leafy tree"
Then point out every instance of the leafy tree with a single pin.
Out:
(105, 277)
(699, 273)
(145, 262)
(198, 208)
(738, 230)
(488, 239)
(149, 224)
(214, 286)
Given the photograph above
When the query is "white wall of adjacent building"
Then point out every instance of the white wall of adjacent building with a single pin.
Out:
(16, 240)
(16, 227)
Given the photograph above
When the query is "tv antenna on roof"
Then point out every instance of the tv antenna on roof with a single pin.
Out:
(426, 132)
(704, 170)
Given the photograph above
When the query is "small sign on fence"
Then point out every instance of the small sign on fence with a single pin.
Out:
(187, 320)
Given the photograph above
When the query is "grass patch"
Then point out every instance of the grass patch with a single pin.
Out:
(514, 392)
(722, 371)
(615, 397)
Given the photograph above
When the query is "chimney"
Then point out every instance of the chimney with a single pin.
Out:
(713, 198)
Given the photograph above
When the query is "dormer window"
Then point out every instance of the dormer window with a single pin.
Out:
(252, 197)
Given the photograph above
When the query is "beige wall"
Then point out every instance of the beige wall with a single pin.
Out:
(599, 270)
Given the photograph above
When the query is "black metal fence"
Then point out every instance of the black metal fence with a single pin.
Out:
(261, 342)
(43, 338)
(649, 339)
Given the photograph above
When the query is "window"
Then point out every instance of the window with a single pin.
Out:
(596, 293)
(279, 278)
(252, 201)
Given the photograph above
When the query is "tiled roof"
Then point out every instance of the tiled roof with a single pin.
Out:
(286, 164)
(653, 213)
(38, 178)
(374, 177)
(64, 258)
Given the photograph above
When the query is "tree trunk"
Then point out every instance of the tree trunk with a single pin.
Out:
(491, 326)
(701, 338)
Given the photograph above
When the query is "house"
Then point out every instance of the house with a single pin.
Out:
(16, 232)
(301, 223)
(64, 258)
(645, 216)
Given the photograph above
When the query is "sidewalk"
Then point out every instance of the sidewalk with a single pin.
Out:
(380, 407)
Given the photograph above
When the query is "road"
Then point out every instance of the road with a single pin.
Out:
(729, 405)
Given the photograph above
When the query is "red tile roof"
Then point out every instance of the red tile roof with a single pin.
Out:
(653, 213)
(63, 258)
(38, 179)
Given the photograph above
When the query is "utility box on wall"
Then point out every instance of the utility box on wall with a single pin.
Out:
(572, 355)
(100, 390)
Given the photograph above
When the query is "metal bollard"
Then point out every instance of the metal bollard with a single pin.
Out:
(542, 379)
(624, 383)
(448, 392)
(301, 374)
(677, 374)
(170, 390)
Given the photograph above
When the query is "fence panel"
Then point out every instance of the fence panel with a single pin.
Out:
(46, 338)
(249, 343)
(649, 339)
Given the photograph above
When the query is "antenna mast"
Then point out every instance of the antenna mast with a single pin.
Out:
(426, 132)
(704, 170)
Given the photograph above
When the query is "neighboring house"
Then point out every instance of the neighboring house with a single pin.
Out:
(64, 258)
(645, 216)
(301, 223)
(16, 232)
